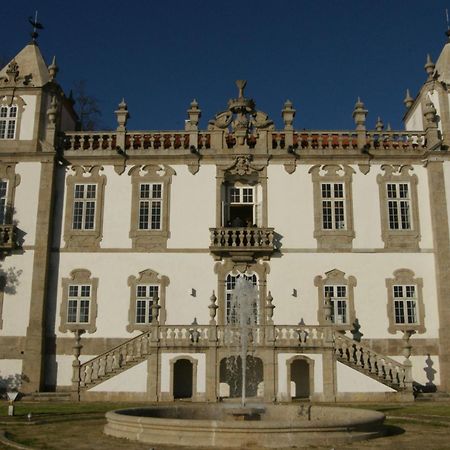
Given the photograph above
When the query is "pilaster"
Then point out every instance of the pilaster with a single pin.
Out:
(441, 244)
(33, 360)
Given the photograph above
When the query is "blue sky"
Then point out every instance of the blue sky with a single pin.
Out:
(159, 55)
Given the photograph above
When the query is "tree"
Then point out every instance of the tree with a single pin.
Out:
(86, 107)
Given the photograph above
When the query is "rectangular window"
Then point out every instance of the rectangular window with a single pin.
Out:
(333, 209)
(85, 198)
(241, 195)
(145, 295)
(405, 304)
(150, 206)
(8, 115)
(399, 202)
(79, 300)
(338, 298)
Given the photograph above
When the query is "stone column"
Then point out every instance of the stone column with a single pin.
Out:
(288, 114)
(122, 117)
(153, 375)
(441, 244)
(34, 354)
(76, 366)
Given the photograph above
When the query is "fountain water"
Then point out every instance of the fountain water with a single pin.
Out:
(244, 314)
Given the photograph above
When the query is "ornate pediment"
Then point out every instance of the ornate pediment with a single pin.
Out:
(13, 77)
(244, 165)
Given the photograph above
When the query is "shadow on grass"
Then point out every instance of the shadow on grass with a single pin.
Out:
(392, 430)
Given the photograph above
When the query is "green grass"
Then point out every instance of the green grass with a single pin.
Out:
(42, 409)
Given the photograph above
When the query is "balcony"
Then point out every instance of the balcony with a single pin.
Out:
(242, 243)
(7, 237)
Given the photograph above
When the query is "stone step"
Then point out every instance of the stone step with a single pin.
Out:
(48, 397)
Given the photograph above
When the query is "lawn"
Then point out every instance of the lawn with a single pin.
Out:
(78, 426)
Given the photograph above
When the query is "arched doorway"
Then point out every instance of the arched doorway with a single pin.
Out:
(300, 377)
(231, 374)
(183, 376)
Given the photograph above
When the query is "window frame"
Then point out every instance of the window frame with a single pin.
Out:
(84, 239)
(248, 275)
(401, 238)
(334, 238)
(9, 101)
(147, 277)
(78, 277)
(7, 119)
(405, 277)
(145, 239)
(336, 278)
(78, 299)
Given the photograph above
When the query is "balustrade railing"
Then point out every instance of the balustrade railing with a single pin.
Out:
(89, 140)
(276, 140)
(385, 369)
(242, 238)
(391, 140)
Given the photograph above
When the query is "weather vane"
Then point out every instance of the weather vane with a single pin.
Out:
(36, 26)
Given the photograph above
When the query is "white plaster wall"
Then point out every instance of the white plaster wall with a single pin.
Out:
(17, 296)
(10, 372)
(192, 207)
(185, 271)
(282, 372)
(117, 210)
(366, 209)
(415, 120)
(201, 370)
(425, 368)
(131, 380)
(298, 270)
(28, 115)
(423, 193)
(350, 380)
(26, 199)
(290, 206)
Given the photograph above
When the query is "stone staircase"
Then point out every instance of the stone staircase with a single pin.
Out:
(376, 366)
(114, 361)
(353, 354)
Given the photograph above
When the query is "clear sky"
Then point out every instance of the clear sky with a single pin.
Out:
(159, 55)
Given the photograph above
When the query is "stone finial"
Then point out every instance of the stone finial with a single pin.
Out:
(288, 114)
(194, 114)
(53, 69)
(408, 101)
(429, 67)
(430, 115)
(359, 115)
(357, 335)
(212, 308)
(122, 115)
(269, 308)
(379, 126)
(241, 86)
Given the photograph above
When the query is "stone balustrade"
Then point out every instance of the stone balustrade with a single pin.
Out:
(89, 140)
(271, 140)
(255, 239)
(7, 237)
(382, 368)
(391, 140)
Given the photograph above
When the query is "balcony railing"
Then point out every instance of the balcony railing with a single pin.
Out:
(249, 241)
(7, 237)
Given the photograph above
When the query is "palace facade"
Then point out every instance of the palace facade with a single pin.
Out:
(120, 249)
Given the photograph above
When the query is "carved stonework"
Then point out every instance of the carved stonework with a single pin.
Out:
(150, 239)
(147, 277)
(84, 239)
(243, 165)
(13, 77)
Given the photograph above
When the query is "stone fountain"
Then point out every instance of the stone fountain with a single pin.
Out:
(250, 425)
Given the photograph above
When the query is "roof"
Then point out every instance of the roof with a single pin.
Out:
(443, 65)
(30, 62)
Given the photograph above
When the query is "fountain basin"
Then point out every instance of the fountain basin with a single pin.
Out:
(212, 425)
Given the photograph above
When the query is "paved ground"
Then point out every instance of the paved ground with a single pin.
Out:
(429, 430)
